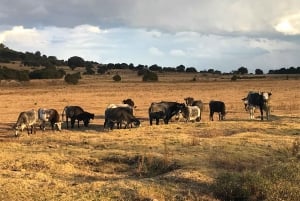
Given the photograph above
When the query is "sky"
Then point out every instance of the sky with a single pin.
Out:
(205, 34)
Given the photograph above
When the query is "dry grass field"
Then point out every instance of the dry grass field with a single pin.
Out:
(178, 161)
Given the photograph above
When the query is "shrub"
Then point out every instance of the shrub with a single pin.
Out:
(47, 73)
(234, 78)
(239, 186)
(150, 76)
(72, 78)
(117, 78)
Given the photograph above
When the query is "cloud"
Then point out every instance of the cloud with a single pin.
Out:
(289, 25)
(177, 52)
(224, 34)
(155, 51)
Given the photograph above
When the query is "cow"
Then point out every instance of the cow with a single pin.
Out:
(71, 112)
(189, 101)
(260, 100)
(85, 117)
(191, 113)
(49, 115)
(26, 119)
(119, 115)
(219, 107)
(130, 102)
(164, 110)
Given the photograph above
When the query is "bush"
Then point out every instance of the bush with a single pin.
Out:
(47, 73)
(234, 78)
(117, 78)
(239, 186)
(11, 74)
(150, 76)
(72, 78)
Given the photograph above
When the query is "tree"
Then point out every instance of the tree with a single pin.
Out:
(75, 61)
(180, 68)
(242, 70)
(191, 70)
(258, 72)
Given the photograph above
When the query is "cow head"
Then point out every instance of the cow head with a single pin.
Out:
(245, 101)
(189, 100)
(129, 102)
(266, 96)
(58, 125)
(18, 128)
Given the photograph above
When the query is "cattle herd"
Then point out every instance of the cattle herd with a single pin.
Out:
(122, 115)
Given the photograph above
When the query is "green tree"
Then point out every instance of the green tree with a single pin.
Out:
(75, 61)
(242, 70)
(258, 72)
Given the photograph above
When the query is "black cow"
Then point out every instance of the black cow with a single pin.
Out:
(260, 100)
(219, 107)
(119, 115)
(85, 117)
(189, 101)
(71, 112)
(164, 110)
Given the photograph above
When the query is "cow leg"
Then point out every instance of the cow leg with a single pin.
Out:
(72, 122)
(261, 113)
(211, 116)
(157, 121)
(67, 122)
(33, 129)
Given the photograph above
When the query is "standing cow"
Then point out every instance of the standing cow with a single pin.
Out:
(219, 107)
(191, 113)
(189, 101)
(164, 110)
(71, 112)
(260, 100)
(85, 117)
(26, 119)
(49, 115)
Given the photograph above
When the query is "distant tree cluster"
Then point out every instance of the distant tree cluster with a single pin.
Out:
(149, 73)
(28, 59)
(291, 70)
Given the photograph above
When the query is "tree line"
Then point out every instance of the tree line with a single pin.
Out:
(51, 66)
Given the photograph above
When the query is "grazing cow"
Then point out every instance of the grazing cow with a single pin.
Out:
(26, 119)
(191, 113)
(261, 100)
(49, 115)
(119, 115)
(164, 110)
(189, 101)
(219, 107)
(130, 102)
(71, 112)
(121, 105)
(85, 117)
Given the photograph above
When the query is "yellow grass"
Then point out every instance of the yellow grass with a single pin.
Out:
(90, 164)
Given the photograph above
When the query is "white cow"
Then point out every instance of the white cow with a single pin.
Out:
(49, 115)
(191, 113)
